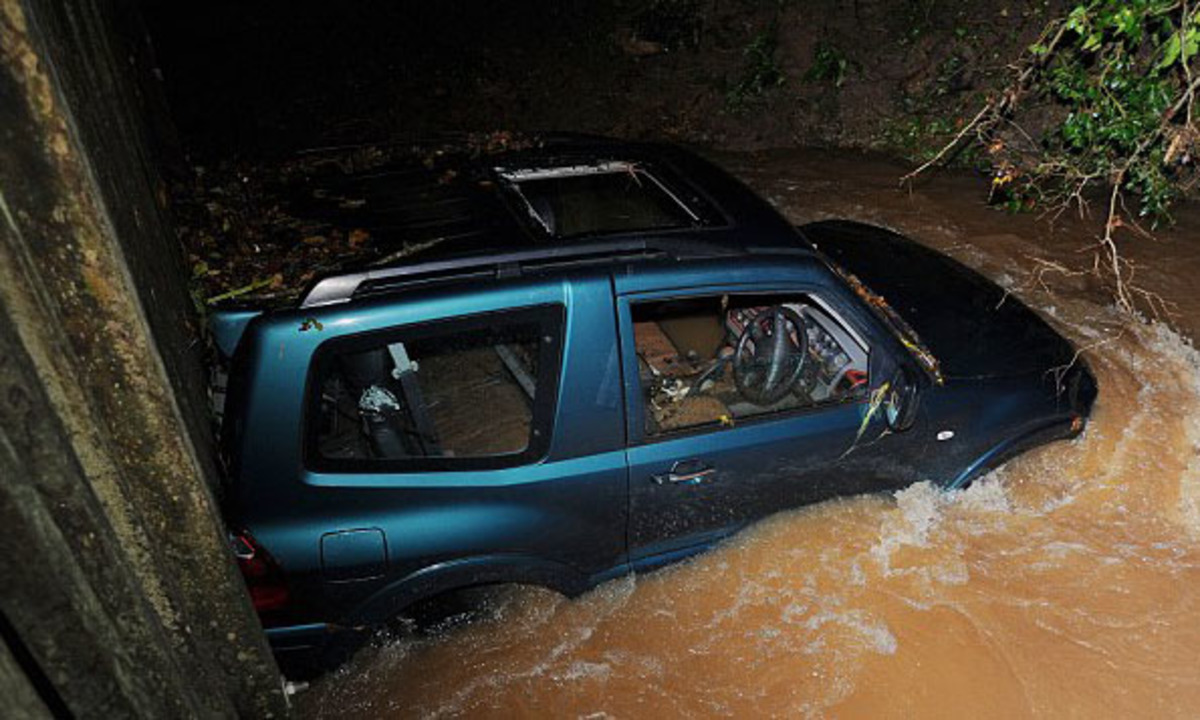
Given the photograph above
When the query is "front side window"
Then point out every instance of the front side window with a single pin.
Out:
(474, 392)
(716, 360)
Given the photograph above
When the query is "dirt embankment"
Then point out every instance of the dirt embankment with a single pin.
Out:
(252, 79)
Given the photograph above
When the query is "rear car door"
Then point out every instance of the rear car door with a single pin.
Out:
(709, 451)
(449, 439)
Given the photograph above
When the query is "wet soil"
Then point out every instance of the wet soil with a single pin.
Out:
(1062, 585)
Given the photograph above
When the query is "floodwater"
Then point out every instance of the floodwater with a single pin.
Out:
(1066, 584)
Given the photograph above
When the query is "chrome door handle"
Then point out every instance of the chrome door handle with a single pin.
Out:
(686, 472)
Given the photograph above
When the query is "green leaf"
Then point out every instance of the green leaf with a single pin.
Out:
(1078, 19)
(1170, 52)
(1191, 43)
(1127, 23)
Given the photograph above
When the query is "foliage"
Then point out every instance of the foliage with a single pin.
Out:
(829, 65)
(918, 136)
(260, 232)
(1103, 99)
(761, 71)
(1120, 68)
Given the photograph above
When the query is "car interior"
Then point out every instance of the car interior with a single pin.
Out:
(457, 396)
(717, 359)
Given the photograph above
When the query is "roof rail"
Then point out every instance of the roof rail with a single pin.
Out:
(342, 288)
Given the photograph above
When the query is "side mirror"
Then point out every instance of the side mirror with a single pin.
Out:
(900, 403)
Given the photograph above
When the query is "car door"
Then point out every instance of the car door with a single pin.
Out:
(449, 439)
(707, 464)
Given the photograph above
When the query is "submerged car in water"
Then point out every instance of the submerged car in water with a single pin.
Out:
(632, 358)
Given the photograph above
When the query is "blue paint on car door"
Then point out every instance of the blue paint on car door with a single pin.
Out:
(744, 473)
(690, 488)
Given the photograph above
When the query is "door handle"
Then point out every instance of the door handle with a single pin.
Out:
(686, 472)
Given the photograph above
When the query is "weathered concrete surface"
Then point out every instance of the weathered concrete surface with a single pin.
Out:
(16, 684)
(73, 598)
(116, 574)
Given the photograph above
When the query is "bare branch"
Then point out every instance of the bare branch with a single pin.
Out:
(948, 146)
(996, 107)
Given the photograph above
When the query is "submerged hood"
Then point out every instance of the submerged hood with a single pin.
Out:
(972, 326)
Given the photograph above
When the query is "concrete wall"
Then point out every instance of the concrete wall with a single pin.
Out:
(118, 583)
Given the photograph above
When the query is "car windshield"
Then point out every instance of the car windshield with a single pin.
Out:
(597, 199)
(901, 329)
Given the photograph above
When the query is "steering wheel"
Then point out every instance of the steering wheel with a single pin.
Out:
(770, 353)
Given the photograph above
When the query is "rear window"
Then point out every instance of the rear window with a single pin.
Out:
(469, 393)
(605, 198)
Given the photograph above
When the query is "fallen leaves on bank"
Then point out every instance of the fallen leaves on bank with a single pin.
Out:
(248, 239)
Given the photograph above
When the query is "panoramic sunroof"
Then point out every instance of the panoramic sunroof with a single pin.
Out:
(607, 197)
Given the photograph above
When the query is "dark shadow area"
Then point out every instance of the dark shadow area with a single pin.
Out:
(267, 77)
(276, 76)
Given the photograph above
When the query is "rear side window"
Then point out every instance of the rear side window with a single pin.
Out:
(472, 392)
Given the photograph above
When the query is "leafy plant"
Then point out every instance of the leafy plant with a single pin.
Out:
(761, 71)
(829, 65)
(918, 137)
(1117, 80)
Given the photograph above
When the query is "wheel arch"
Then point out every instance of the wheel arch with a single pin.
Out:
(1056, 429)
(460, 574)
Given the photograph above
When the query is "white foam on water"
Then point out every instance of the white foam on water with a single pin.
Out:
(1166, 342)
(644, 664)
(874, 633)
(582, 670)
(920, 509)
(793, 612)
(1059, 549)
(986, 495)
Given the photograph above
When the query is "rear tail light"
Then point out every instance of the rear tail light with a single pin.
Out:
(262, 574)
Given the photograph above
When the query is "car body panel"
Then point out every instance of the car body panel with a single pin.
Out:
(974, 327)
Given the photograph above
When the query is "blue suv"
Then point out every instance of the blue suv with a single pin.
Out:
(619, 358)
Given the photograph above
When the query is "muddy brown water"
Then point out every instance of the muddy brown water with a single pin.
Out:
(1066, 584)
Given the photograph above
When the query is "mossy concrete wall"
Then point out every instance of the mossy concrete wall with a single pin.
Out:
(118, 585)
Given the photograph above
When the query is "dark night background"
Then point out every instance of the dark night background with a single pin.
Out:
(262, 93)
(269, 76)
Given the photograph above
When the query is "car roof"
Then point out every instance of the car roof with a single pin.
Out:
(478, 229)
